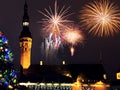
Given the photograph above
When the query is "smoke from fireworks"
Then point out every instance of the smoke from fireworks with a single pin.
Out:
(101, 18)
(73, 36)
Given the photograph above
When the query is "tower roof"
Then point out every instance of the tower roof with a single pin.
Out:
(25, 32)
(25, 16)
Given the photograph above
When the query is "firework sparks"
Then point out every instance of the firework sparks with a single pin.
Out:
(72, 50)
(54, 24)
(73, 36)
(101, 18)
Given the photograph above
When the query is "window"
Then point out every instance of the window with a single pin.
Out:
(118, 75)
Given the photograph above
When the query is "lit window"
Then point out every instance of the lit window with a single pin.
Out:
(118, 75)
(41, 62)
(63, 62)
(104, 76)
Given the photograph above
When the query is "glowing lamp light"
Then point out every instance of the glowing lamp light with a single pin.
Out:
(104, 76)
(25, 23)
(41, 62)
(63, 62)
(49, 84)
(56, 84)
(68, 75)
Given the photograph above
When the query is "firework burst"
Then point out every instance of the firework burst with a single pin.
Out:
(101, 18)
(54, 24)
(73, 36)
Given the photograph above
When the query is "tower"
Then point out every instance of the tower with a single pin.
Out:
(25, 41)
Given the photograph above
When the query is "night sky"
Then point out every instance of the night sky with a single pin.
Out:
(11, 15)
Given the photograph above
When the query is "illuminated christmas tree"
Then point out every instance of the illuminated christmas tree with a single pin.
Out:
(8, 77)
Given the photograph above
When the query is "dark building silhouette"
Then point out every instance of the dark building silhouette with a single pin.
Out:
(64, 73)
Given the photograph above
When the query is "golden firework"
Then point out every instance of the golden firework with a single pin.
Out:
(102, 18)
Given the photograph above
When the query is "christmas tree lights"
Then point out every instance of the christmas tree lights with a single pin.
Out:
(8, 77)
